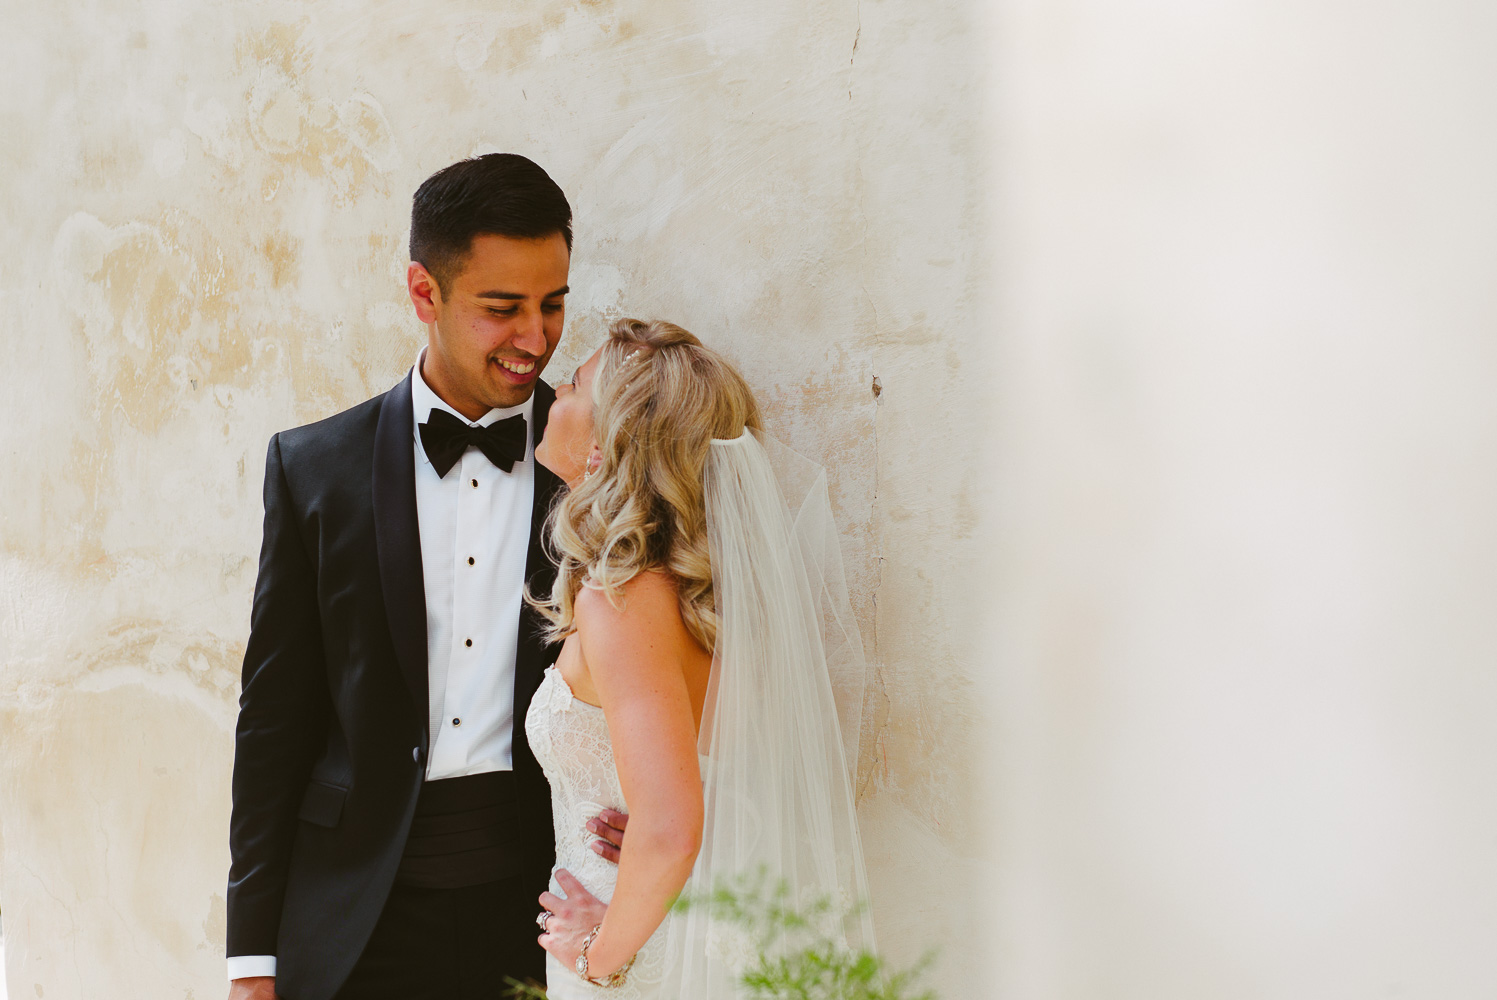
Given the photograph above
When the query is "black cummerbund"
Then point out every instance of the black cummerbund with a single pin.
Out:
(464, 833)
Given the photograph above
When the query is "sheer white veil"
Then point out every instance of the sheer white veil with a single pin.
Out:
(782, 720)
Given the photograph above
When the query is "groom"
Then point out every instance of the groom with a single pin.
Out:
(391, 828)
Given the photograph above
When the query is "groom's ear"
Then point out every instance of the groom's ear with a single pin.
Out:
(426, 294)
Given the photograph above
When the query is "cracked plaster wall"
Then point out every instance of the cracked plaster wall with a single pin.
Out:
(205, 243)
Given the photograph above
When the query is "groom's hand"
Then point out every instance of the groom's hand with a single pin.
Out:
(609, 825)
(253, 988)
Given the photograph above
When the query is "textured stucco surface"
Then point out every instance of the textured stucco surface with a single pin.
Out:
(204, 243)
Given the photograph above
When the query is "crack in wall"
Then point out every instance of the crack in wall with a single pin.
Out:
(857, 37)
(875, 698)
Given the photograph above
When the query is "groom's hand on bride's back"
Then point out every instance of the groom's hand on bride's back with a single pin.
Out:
(609, 825)
(253, 988)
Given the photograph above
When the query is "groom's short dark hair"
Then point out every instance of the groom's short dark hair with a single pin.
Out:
(500, 194)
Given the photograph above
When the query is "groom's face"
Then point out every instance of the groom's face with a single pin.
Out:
(494, 326)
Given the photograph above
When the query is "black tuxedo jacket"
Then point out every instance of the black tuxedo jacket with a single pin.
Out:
(330, 749)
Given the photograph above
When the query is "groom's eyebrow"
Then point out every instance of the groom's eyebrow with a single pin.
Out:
(564, 289)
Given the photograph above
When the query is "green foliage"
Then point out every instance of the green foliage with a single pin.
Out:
(523, 991)
(798, 952)
(794, 952)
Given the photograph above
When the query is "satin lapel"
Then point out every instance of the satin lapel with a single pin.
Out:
(530, 652)
(397, 537)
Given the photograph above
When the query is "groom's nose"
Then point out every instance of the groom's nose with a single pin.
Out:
(530, 333)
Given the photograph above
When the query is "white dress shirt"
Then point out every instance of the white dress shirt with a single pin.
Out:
(475, 537)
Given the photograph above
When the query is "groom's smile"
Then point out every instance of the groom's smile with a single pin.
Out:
(518, 371)
(518, 367)
(493, 325)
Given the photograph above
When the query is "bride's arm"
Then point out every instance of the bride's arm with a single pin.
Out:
(636, 660)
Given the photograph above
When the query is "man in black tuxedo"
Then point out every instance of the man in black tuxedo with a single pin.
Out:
(391, 829)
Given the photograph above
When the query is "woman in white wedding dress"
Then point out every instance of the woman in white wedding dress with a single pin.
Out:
(709, 683)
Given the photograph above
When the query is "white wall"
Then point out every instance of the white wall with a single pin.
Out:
(1244, 648)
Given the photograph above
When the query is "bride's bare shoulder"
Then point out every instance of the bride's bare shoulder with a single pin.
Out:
(648, 603)
(631, 646)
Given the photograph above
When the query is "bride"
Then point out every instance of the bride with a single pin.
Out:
(706, 641)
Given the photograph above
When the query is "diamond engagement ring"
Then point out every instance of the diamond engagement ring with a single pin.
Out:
(541, 918)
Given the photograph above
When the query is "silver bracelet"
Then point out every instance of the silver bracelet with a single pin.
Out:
(614, 978)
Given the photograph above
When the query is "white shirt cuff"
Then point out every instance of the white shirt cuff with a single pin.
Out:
(244, 966)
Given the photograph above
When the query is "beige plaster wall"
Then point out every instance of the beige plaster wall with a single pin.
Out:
(204, 242)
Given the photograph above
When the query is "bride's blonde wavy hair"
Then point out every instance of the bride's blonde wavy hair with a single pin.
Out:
(659, 398)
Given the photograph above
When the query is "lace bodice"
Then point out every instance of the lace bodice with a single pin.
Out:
(570, 740)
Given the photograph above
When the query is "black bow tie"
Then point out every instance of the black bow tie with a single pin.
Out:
(445, 438)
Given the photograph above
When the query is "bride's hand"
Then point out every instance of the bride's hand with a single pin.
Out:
(571, 920)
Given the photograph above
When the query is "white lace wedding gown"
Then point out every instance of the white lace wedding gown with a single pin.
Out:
(570, 740)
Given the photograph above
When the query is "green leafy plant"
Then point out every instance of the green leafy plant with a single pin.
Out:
(797, 946)
(794, 949)
(523, 991)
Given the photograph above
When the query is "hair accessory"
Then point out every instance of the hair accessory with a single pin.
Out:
(743, 437)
